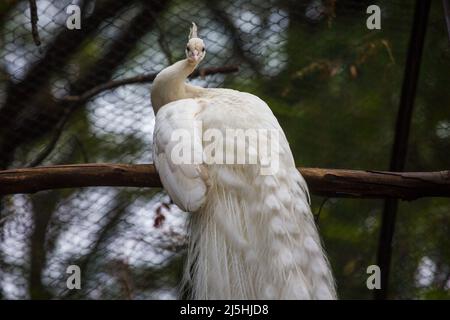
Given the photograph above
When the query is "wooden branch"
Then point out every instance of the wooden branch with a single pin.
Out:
(324, 182)
(23, 109)
(143, 79)
(34, 20)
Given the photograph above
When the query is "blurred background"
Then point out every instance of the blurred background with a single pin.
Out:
(333, 84)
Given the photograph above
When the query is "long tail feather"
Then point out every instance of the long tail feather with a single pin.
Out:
(256, 241)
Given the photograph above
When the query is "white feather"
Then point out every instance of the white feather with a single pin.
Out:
(251, 236)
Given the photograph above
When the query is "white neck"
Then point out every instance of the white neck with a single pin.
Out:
(169, 85)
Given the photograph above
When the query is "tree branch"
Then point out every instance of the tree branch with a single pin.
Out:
(108, 86)
(238, 43)
(143, 79)
(324, 182)
(64, 45)
(28, 104)
(34, 21)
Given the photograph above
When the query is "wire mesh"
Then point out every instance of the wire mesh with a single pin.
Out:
(333, 84)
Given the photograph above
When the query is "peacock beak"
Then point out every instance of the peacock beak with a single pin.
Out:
(195, 55)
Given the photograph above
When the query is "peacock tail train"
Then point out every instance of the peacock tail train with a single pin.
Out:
(255, 238)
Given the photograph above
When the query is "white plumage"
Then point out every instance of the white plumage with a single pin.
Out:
(252, 236)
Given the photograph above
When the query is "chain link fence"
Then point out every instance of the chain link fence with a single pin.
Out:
(333, 84)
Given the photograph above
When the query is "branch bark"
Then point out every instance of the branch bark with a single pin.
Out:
(144, 79)
(324, 182)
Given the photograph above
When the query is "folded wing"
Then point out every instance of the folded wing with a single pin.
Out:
(178, 152)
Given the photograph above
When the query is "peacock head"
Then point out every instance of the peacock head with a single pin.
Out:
(195, 48)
